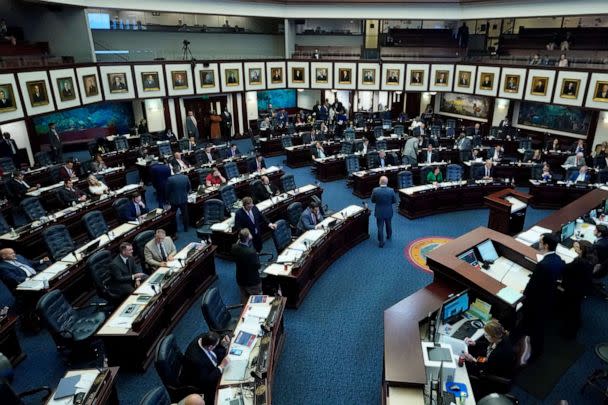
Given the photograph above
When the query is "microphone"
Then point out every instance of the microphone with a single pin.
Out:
(257, 376)
(153, 286)
(181, 262)
(306, 244)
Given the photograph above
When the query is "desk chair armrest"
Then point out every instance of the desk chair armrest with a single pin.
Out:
(33, 391)
(232, 307)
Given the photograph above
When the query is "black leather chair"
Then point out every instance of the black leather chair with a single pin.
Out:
(95, 224)
(425, 172)
(281, 236)
(4, 226)
(453, 172)
(213, 213)
(8, 396)
(405, 179)
(258, 190)
(120, 207)
(602, 176)
(286, 141)
(98, 265)
(381, 145)
(199, 156)
(217, 314)
(346, 148)
(183, 144)
(372, 160)
(306, 138)
(7, 165)
(145, 139)
(156, 396)
(164, 148)
(228, 196)
(202, 174)
(139, 243)
(32, 209)
(168, 364)
(352, 164)
(43, 159)
(54, 172)
(58, 241)
(121, 143)
(477, 171)
(70, 328)
(232, 170)
(294, 211)
(288, 182)
(349, 135)
(536, 171)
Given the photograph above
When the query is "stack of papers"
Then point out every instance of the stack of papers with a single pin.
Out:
(516, 204)
(278, 269)
(567, 255)
(289, 256)
(348, 211)
(509, 295)
(532, 235)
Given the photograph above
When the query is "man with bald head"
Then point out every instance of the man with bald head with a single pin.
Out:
(384, 197)
(192, 399)
(15, 269)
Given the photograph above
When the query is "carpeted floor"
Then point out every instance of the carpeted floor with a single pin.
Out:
(333, 351)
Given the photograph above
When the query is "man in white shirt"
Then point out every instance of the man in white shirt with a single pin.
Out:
(179, 162)
(15, 269)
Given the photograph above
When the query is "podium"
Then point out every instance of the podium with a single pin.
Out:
(507, 210)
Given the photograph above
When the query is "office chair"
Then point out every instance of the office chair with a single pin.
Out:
(435, 131)
(294, 212)
(95, 224)
(121, 143)
(570, 171)
(381, 144)
(43, 159)
(349, 135)
(120, 206)
(286, 141)
(536, 171)
(346, 148)
(139, 243)
(288, 182)
(398, 130)
(352, 164)
(527, 155)
(164, 148)
(168, 363)
(4, 226)
(453, 172)
(228, 196)
(450, 132)
(378, 132)
(202, 173)
(54, 173)
(32, 208)
(213, 213)
(7, 165)
(73, 330)
(372, 160)
(8, 394)
(602, 176)
(183, 143)
(494, 132)
(217, 314)
(425, 172)
(306, 138)
(58, 241)
(232, 170)
(525, 144)
(98, 266)
(258, 190)
(477, 171)
(156, 396)
(200, 157)
(145, 139)
(281, 236)
(450, 123)
(405, 179)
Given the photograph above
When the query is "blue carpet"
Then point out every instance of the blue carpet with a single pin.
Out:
(333, 351)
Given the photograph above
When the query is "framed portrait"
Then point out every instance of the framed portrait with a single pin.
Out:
(90, 85)
(150, 81)
(276, 75)
(511, 83)
(66, 88)
(464, 79)
(417, 78)
(232, 77)
(368, 76)
(118, 82)
(570, 88)
(600, 92)
(207, 77)
(179, 79)
(37, 93)
(255, 76)
(392, 76)
(442, 77)
(345, 75)
(297, 74)
(321, 74)
(540, 84)
(7, 98)
(487, 81)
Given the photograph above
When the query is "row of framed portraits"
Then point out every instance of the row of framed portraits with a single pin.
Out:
(44, 91)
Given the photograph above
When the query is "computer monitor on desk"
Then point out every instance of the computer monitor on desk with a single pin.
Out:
(470, 257)
(454, 307)
(487, 251)
(567, 231)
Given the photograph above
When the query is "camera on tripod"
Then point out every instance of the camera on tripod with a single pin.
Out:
(186, 42)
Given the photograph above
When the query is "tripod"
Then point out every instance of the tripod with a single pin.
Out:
(186, 52)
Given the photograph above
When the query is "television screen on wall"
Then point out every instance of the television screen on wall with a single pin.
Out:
(278, 98)
(554, 117)
(99, 21)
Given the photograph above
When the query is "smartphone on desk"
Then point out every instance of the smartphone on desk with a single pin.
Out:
(236, 352)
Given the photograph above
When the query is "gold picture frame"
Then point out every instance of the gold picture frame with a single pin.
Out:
(150, 81)
(345, 75)
(118, 82)
(600, 93)
(570, 88)
(539, 85)
(179, 79)
(511, 83)
(7, 98)
(442, 77)
(417, 78)
(392, 77)
(464, 79)
(487, 81)
(207, 77)
(38, 93)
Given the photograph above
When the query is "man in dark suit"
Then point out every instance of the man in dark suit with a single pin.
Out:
(602, 92)
(125, 273)
(385, 160)
(268, 189)
(5, 102)
(601, 246)
(55, 141)
(67, 171)
(250, 217)
(178, 188)
(310, 217)
(429, 155)
(226, 125)
(204, 362)
(384, 198)
(68, 194)
(209, 156)
(15, 269)
(258, 165)
(134, 209)
(364, 147)
(488, 170)
(191, 125)
(540, 291)
(178, 164)
(8, 148)
(18, 188)
(159, 173)
(233, 151)
(247, 266)
(37, 96)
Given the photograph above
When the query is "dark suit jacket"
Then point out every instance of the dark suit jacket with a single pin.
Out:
(388, 160)
(12, 276)
(262, 194)
(500, 362)
(68, 196)
(541, 287)
(175, 164)
(63, 173)
(130, 214)
(159, 173)
(199, 371)
(229, 153)
(423, 155)
(17, 189)
(206, 159)
(253, 165)
(384, 198)
(247, 265)
(601, 249)
(5, 148)
(242, 220)
(305, 223)
(55, 143)
(121, 280)
(178, 188)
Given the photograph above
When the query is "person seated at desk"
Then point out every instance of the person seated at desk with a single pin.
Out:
(159, 250)
(265, 125)
(488, 170)
(310, 217)
(67, 171)
(600, 158)
(364, 147)
(214, 178)
(125, 274)
(209, 156)
(204, 362)
(319, 151)
(192, 144)
(581, 177)
(576, 282)
(537, 156)
(68, 194)
(601, 249)
(233, 151)
(168, 136)
(258, 165)
(98, 164)
(18, 187)
(134, 209)
(493, 355)
(178, 163)
(434, 176)
(577, 160)
(554, 146)
(268, 189)
(15, 269)
(498, 153)
(96, 186)
(247, 266)
(250, 217)
(324, 130)
(546, 174)
(384, 160)
(475, 157)
(430, 155)
(299, 121)
(578, 147)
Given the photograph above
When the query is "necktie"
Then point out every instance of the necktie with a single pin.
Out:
(314, 218)
(13, 149)
(163, 254)
(213, 356)
(69, 172)
(381, 162)
(487, 172)
(137, 210)
(26, 269)
(252, 218)
(24, 184)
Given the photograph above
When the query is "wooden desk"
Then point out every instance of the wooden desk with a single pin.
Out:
(300, 276)
(134, 347)
(104, 394)
(331, 168)
(9, 343)
(460, 196)
(301, 155)
(507, 210)
(552, 195)
(575, 209)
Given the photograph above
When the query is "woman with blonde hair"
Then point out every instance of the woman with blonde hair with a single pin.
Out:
(96, 187)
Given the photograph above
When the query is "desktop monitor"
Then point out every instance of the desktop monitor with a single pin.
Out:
(455, 306)
(567, 231)
(469, 257)
(487, 251)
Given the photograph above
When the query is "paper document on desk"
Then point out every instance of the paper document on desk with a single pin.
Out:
(509, 295)
(258, 310)
(528, 238)
(516, 205)
(458, 345)
(347, 212)
(289, 256)
(236, 370)
(568, 255)
(123, 228)
(277, 270)
(31, 284)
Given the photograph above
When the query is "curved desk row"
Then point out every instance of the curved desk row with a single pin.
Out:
(307, 258)
(556, 195)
